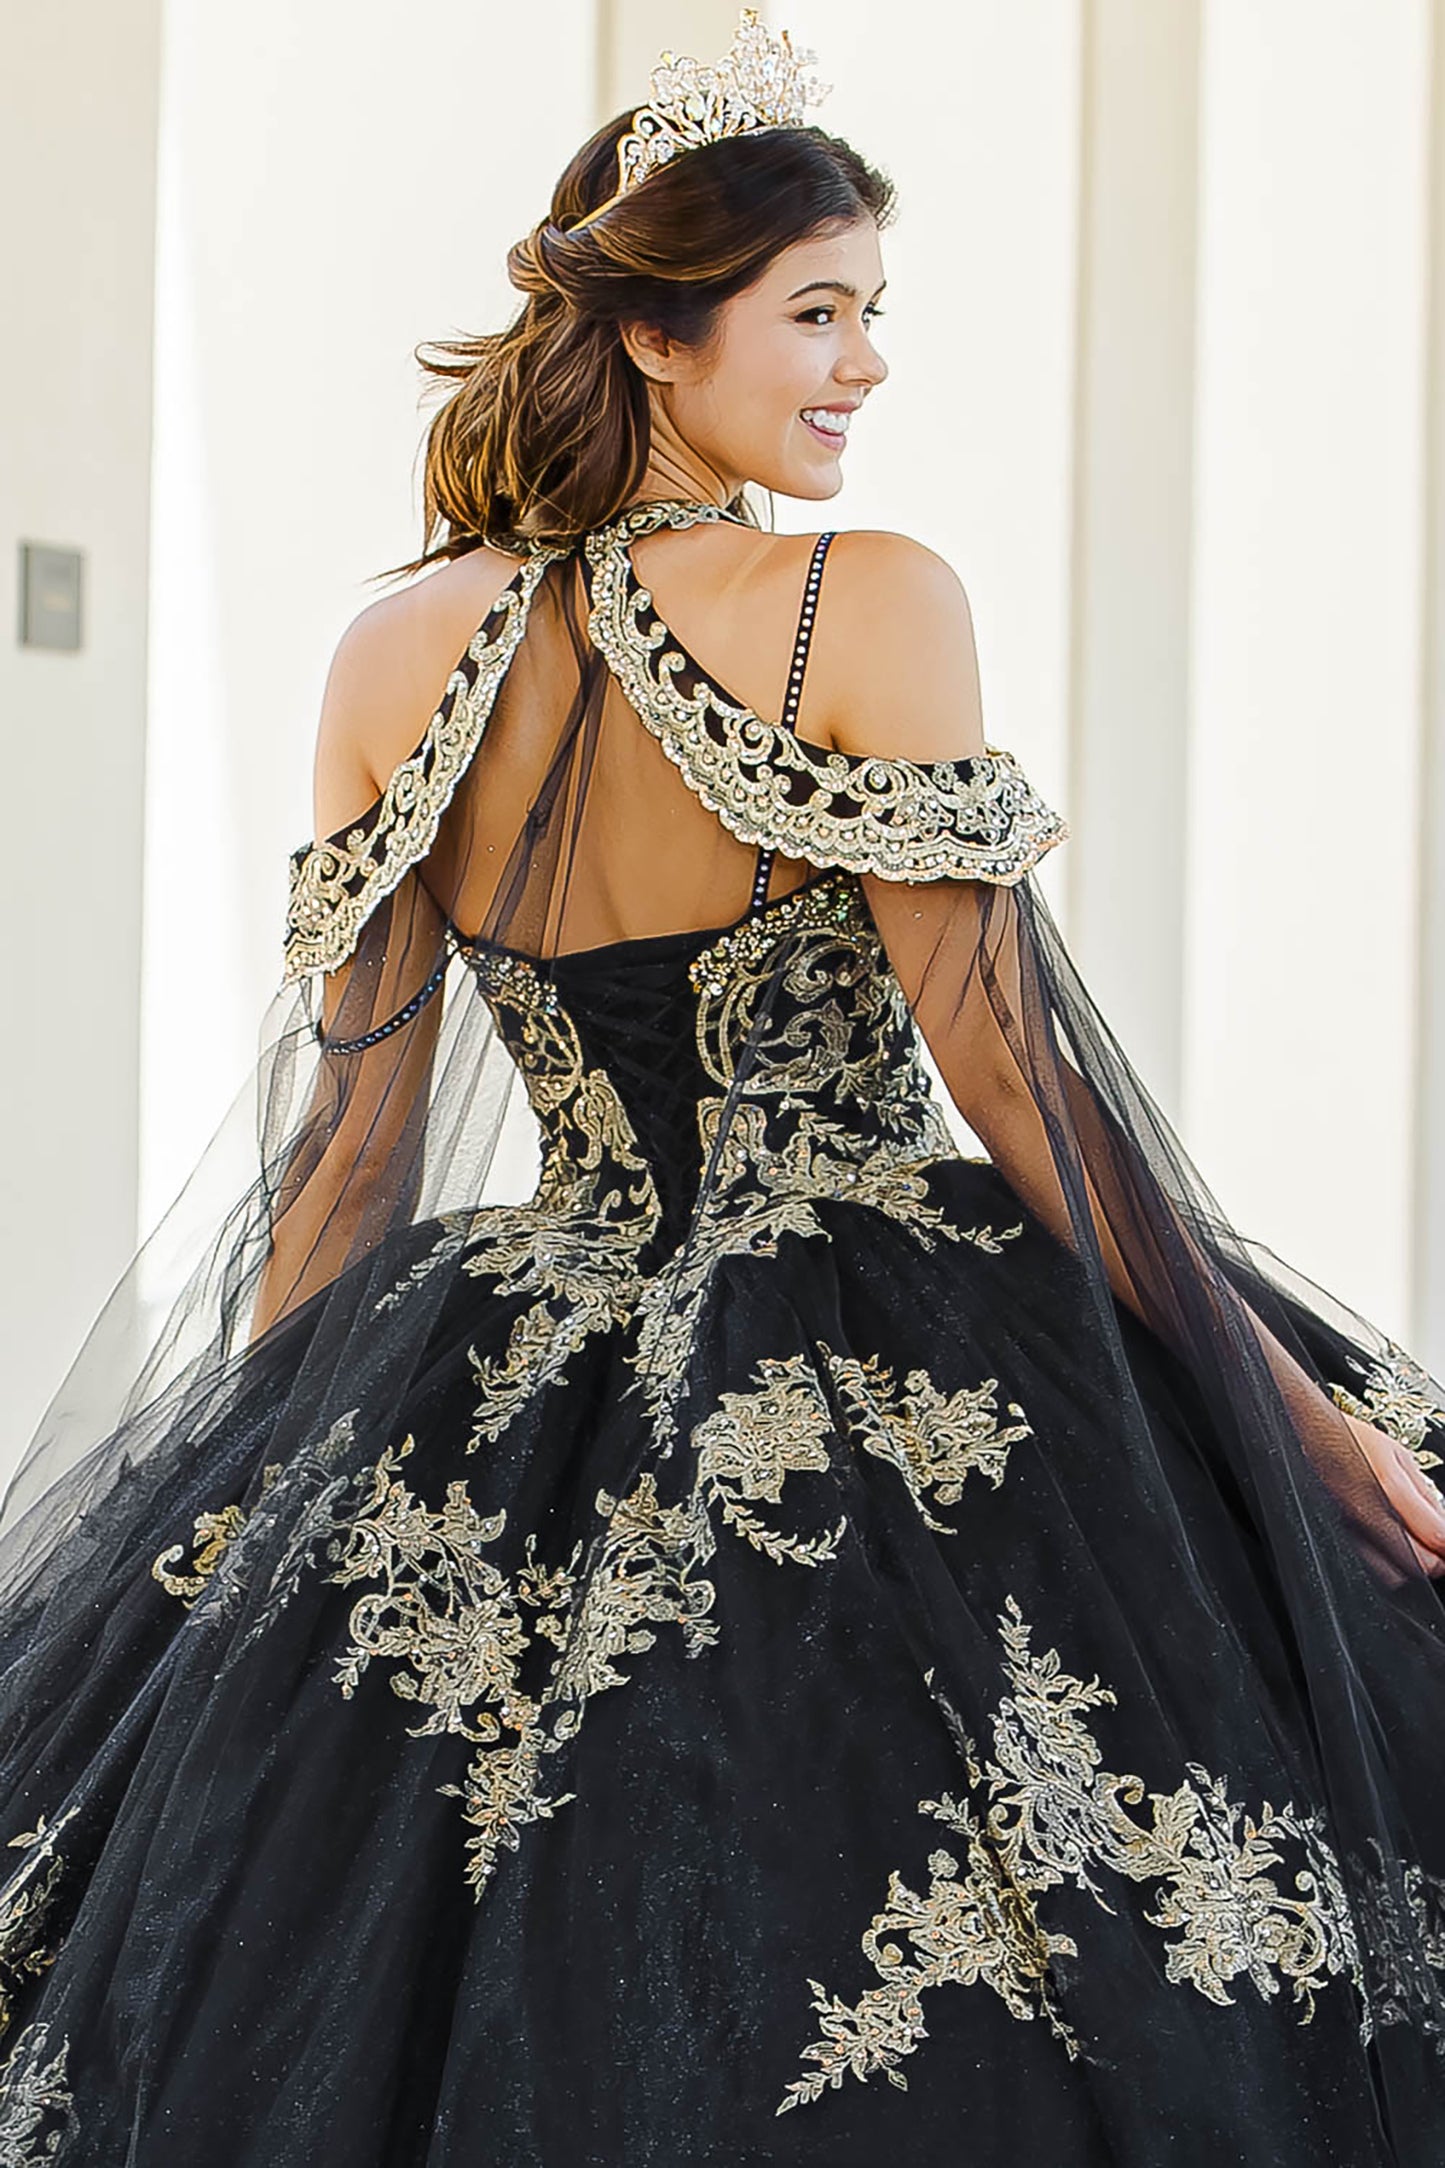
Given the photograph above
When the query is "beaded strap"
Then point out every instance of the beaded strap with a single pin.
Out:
(793, 695)
(805, 631)
(403, 1015)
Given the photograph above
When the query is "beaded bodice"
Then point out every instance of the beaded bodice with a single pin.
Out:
(628, 1053)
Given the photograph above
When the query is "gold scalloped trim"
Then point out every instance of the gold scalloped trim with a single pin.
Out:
(336, 883)
(976, 818)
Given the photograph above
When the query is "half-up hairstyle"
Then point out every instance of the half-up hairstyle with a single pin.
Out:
(547, 433)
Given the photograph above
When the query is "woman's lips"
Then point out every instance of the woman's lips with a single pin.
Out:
(835, 439)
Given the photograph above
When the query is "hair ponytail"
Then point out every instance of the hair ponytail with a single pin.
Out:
(549, 418)
(548, 429)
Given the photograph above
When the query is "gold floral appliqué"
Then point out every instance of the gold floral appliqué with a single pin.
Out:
(1052, 1815)
(37, 2109)
(1398, 1397)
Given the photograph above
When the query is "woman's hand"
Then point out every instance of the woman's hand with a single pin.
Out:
(1415, 1498)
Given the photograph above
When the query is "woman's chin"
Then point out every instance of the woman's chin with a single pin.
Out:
(812, 487)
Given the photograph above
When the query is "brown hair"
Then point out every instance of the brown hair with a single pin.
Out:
(548, 431)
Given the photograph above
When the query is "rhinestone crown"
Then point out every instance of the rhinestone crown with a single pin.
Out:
(760, 82)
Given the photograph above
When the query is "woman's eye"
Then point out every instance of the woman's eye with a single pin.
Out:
(825, 311)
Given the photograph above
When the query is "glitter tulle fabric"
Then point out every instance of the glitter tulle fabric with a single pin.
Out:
(737, 1645)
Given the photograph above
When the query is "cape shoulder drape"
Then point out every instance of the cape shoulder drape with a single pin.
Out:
(547, 1106)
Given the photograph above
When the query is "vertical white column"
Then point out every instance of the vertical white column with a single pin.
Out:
(77, 171)
(1428, 1314)
(1132, 525)
(1302, 913)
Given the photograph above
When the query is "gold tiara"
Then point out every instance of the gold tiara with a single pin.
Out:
(760, 82)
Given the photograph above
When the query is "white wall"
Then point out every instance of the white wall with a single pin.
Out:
(77, 177)
(632, 33)
(338, 183)
(1308, 615)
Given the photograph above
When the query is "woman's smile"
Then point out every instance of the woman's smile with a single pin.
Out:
(829, 424)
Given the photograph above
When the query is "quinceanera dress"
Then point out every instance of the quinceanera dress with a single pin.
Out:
(750, 1650)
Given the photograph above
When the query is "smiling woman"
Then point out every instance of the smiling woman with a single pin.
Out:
(678, 343)
(758, 371)
(494, 1679)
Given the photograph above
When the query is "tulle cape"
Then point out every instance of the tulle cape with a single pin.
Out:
(584, 782)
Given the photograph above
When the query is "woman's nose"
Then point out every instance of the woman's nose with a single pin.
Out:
(868, 366)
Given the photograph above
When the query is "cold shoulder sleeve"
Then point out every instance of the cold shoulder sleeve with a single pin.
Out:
(351, 1120)
(336, 882)
(974, 818)
(977, 818)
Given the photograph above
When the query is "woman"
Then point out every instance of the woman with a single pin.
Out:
(788, 1642)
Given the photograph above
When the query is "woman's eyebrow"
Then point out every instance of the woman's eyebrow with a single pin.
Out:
(834, 286)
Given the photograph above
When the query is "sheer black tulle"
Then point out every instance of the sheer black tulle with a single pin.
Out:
(603, 1592)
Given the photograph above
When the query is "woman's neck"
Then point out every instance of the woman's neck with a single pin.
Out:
(675, 469)
(666, 481)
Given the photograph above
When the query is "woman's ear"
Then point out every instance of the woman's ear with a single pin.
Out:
(652, 351)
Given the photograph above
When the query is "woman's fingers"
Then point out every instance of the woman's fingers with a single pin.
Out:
(1417, 1502)
(1432, 1560)
(1429, 1490)
(1409, 1490)
(1432, 1528)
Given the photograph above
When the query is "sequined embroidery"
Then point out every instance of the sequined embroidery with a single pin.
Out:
(933, 1438)
(301, 1494)
(336, 882)
(753, 1440)
(838, 1108)
(1398, 1398)
(973, 1923)
(1052, 1814)
(38, 2121)
(1401, 1990)
(27, 1904)
(213, 1533)
(575, 1245)
(976, 818)
(456, 1229)
(467, 1635)
(462, 1628)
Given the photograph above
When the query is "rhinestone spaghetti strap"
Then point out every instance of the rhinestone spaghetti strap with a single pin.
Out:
(794, 692)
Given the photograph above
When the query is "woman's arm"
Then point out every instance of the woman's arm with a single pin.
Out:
(340, 1186)
(895, 674)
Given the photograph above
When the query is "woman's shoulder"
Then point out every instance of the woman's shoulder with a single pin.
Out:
(388, 673)
(894, 666)
(888, 771)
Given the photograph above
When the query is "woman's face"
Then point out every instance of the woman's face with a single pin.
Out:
(770, 399)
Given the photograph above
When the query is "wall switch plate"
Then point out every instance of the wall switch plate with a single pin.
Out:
(49, 596)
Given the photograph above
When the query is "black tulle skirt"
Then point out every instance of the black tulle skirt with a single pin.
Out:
(823, 1753)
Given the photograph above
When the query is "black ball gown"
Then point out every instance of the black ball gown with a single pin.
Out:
(788, 1640)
